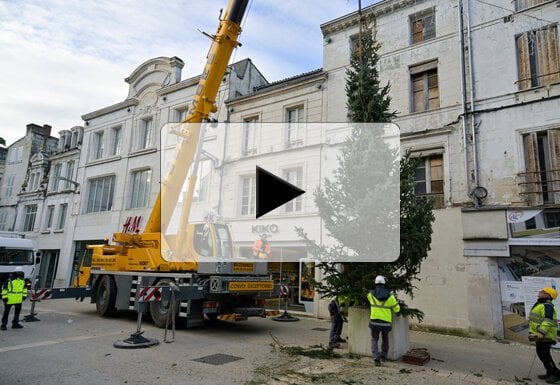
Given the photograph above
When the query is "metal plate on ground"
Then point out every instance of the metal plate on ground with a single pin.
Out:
(416, 356)
(218, 359)
(321, 329)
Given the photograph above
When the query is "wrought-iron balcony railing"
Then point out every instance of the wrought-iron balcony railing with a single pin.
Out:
(540, 187)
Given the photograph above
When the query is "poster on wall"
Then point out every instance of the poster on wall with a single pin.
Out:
(528, 270)
(531, 287)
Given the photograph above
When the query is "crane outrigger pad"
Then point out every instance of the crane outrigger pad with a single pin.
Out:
(136, 341)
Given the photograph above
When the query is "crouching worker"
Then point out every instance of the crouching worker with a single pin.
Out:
(337, 318)
(14, 292)
(542, 330)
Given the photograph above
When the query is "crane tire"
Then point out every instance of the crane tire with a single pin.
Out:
(159, 310)
(106, 296)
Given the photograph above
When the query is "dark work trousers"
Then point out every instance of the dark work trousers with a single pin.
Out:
(17, 309)
(336, 328)
(543, 352)
(375, 331)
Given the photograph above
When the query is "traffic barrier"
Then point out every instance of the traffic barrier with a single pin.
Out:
(53, 293)
(150, 294)
(227, 317)
(41, 294)
(285, 317)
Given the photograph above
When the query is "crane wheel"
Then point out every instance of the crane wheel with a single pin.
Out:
(106, 297)
(159, 310)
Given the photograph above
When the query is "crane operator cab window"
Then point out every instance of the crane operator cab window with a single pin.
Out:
(223, 241)
(205, 234)
(203, 240)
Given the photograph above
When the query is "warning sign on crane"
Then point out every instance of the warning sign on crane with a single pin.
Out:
(150, 294)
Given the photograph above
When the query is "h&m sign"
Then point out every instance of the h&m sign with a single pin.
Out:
(132, 224)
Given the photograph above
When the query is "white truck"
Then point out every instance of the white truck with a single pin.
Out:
(16, 250)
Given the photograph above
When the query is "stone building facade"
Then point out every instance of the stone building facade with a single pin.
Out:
(476, 86)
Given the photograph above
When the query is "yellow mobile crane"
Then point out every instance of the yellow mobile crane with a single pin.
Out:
(212, 285)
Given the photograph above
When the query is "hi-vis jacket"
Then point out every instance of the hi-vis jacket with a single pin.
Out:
(543, 319)
(260, 250)
(14, 290)
(382, 304)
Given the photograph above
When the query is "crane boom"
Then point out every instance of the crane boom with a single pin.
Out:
(213, 283)
(224, 42)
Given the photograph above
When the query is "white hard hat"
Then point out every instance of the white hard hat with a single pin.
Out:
(19, 268)
(380, 280)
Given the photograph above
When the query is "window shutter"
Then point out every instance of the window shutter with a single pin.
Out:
(554, 151)
(533, 178)
(436, 174)
(523, 62)
(549, 54)
(418, 31)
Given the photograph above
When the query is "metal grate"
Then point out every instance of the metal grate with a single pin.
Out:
(218, 359)
(321, 329)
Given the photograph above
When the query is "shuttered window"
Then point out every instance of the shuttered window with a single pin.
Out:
(428, 180)
(541, 179)
(425, 88)
(422, 26)
(537, 56)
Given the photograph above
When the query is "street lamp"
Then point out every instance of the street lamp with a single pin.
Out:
(76, 184)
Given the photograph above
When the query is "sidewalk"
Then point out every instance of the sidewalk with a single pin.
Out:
(454, 360)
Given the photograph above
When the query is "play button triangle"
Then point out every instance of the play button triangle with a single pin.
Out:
(273, 191)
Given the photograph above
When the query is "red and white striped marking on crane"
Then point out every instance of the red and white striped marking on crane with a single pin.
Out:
(150, 294)
(41, 294)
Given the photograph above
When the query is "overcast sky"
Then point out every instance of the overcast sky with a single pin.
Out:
(61, 59)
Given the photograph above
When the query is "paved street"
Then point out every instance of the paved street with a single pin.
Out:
(72, 345)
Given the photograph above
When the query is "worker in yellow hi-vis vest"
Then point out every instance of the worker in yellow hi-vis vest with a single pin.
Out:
(543, 323)
(14, 292)
(383, 304)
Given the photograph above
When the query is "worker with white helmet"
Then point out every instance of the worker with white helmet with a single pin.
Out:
(382, 304)
(14, 292)
(543, 330)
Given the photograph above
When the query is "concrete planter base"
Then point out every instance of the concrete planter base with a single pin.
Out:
(359, 336)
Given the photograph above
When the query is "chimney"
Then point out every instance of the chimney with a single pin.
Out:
(34, 128)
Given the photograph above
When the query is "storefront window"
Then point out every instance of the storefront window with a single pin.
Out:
(307, 271)
(288, 272)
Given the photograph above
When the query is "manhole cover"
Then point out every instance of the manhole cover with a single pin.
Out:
(217, 359)
(321, 329)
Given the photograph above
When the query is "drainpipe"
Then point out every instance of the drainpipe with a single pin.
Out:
(472, 96)
(464, 99)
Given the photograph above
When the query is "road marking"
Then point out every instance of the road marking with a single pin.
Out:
(49, 342)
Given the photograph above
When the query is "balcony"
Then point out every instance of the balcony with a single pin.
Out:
(436, 198)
